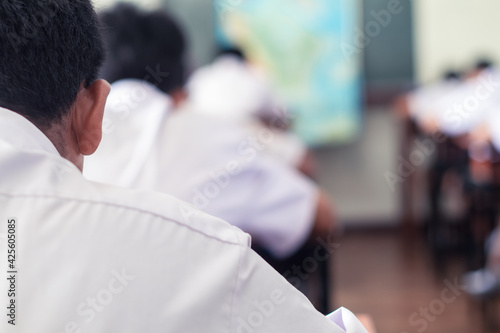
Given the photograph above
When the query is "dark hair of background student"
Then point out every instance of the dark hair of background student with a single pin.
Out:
(143, 45)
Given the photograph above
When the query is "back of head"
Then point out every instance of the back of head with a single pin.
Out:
(48, 49)
(143, 45)
(483, 64)
(234, 52)
(452, 76)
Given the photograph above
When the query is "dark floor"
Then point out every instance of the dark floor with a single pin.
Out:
(392, 278)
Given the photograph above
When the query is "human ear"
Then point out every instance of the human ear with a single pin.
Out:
(88, 115)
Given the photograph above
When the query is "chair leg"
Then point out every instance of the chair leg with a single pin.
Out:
(325, 283)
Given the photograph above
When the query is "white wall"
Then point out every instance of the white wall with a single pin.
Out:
(454, 33)
(354, 175)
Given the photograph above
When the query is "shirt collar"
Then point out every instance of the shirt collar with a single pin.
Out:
(21, 133)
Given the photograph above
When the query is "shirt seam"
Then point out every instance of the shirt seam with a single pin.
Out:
(235, 287)
(142, 211)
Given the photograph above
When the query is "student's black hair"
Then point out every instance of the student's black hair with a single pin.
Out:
(234, 51)
(48, 48)
(452, 76)
(483, 64)
(143, 45)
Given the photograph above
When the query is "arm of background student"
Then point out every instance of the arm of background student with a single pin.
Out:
(287, 208)
(324, 223)
(308, 165)
(281, 208)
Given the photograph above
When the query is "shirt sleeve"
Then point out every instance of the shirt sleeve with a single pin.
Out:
(283, 209)
(264, 301)
(272, 202)
(288, 147)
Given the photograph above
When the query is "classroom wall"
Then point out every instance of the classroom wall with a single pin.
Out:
(453, 33)
(197, 17)
(388, 59)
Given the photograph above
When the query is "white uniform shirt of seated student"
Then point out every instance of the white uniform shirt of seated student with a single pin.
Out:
(94, 258)
(422, 101)
(233, 90)
(429, 105)
(461, 111)
(493, 124)
(215, 165)
(467, 107)
(494, 127)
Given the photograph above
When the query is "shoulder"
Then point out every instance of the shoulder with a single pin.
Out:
(54, 179)
(148, 204)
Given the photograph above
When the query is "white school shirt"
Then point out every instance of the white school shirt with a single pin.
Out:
(236, 91)
(422, 101)
(231, 88)
(431, 102)
(213, 164)
(494, 128)
(133, 120)
(462, 111)
(95, 258)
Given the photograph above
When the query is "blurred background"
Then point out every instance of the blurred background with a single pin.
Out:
(341, 66)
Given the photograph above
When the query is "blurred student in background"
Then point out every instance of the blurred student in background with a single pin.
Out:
(466, 113)
(217, 165)
(234, 90)
(457, 107)
(426, 103)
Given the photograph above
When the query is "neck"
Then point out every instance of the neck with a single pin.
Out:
(61, 136)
